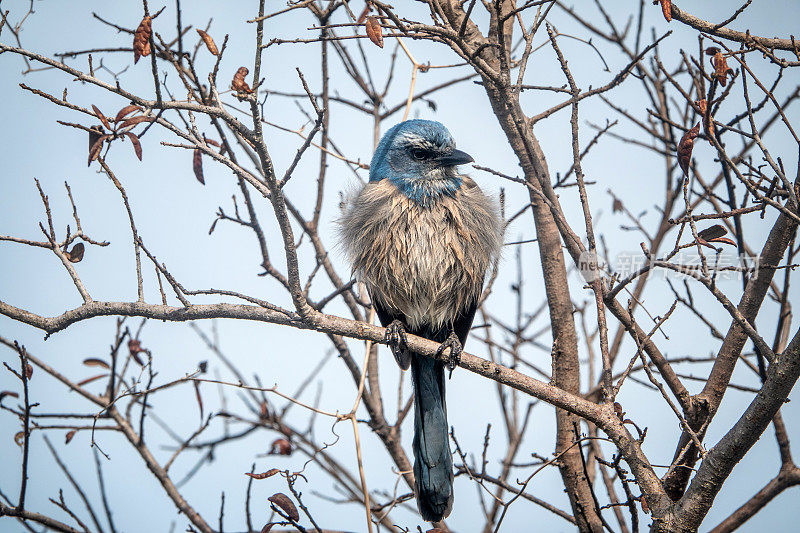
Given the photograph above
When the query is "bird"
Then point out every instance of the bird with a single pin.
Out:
(422, 237)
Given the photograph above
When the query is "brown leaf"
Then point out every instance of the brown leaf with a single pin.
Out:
(645, 508)
(712, 50)
(435, 530)
(5, 393)
(125, 111)
(686, 146)
(708, 125)
(29, 371)
(212, 142)
(239, 84)
(712, 232)
(86, 381)
(263, 411)
(197, 165)
(210, 44)
(721, 68)
(267, 527)
(101, 116)
(263, 475)
(76, 254)
(616, 205)
(93, 361)
(19, 437)
(69, 435)
(364, 13)
(135, 120)
(94, 149)
(374, 31)
(723, 240)
(137, 146)
(282, 500)
(141, 39)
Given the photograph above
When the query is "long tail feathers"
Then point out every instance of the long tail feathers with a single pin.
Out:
(433, 464)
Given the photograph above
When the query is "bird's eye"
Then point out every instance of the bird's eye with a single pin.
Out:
(419, 155)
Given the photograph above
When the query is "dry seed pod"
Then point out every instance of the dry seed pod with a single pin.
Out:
(141, 39)
(210, 44)
(374, 31)
(238, 84)
(686, 146)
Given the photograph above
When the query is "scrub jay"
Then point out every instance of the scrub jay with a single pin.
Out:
(421, 237)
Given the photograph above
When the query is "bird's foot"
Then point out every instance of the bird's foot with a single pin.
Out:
(397, 341)
(454, 357)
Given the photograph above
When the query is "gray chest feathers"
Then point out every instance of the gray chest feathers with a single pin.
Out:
(427, 264)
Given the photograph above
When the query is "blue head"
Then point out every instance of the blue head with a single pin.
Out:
(419, 157)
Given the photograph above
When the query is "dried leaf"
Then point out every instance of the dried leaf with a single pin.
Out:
(93, 361)
(76, 254)
(141, 39)
(268, 527)
(199, 397)
(713, 232)
(94, 150)
(282, 500)
(137, 146)
(263, 475)
(435, 530)
(239, 84)
(712, 50)
(212, 142)
(645, 508)
(125, 111)
(210, 44)
(616, 205)
(28, 371)
(686, 146)
(134, 347)
(374, 31)
(19, 437)
(5, 393)
(94, 133)
(101, 116)
(723, 240)
(721, 68)
(69, 435)
(263, 411)
(89, 380)
(666, 9)
(197, 165)
(281, 447)
(364, 13)
(708, 125)
(135, 120)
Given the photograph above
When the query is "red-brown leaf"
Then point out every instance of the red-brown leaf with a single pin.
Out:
(101, 116)
(134, 347)
(135, 120)
(210, 44)
(93, 361)
(721, 68)
(89, 380)
(374, 31)
(197, 165)
(141, 39)
(19, 437)
(76, 254)
(239, 84)
(94, 151)
(199, 397)
(666, 9)
(263, 475)
(29, 371)
(282, 500)
(5, 393)
(685, 148)
(125, 111)
(723, 240)
(69, 435)
(137, 146)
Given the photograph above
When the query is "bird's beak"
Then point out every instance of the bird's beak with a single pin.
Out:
(456, 157)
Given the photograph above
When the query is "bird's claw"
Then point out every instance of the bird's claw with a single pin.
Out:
(397, 341)
(454, 357)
